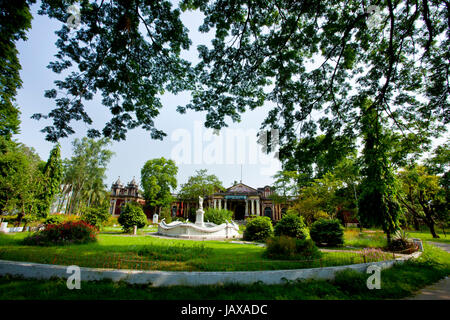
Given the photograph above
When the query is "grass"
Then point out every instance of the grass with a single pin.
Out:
(426, 236)
(151, 253)
(397, 282)
(366, 239)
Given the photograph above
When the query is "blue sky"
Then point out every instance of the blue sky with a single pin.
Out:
(192, 146)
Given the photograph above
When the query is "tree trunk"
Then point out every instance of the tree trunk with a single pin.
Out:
(428, 210)
(431, 225)
(416, 223)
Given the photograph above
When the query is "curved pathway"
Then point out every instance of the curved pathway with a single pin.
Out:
(439, 290)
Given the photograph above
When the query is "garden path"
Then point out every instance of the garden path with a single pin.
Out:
(439, 290)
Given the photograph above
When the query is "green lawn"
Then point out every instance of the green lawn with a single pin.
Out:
(398, 282)
(426, 236)
(151, 253)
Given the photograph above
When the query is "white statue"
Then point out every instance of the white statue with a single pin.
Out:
(200, 202)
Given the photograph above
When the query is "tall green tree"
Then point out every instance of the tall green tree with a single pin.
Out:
(53, 171)
(15, 20)
(21, 181)
(201, 184)
(423, 196)
(159, 179)
(378, 202)
(85, 171)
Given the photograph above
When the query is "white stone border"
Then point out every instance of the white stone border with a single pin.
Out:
(31, 270)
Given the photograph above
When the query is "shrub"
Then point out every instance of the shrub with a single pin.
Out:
(63, 233)
(54, 219)
(218, 216)
(291, 225)
(96, 216)
(328, 233)
(258, 228)
(192, 214)
(284, 247)
(111, 222)
(166, 214)
(71, 217)
(132, 215)
(402, 244)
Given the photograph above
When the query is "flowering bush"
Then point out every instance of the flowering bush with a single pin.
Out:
(65, 233)
(373, 255)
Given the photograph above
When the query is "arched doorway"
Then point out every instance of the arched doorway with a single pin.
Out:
(268, 212)
(239, 211)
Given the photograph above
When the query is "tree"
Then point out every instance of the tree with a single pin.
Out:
(286, 186)
(21, 181)
(423, 197)
(15, 21)
(84, 173)
(200, 185)
(439, 162)
(319, 199)
(304, 56)
(53, 171)
(378, 202)
(315, 60)
(129, 51)
(158, 179)
(132, 215)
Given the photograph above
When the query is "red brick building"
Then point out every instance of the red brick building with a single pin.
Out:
(239, 198)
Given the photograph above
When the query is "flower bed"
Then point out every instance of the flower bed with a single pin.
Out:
(72, 232)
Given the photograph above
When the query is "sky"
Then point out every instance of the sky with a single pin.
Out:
(188, 143)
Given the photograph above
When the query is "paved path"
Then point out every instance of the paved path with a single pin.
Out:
(439, 290)
(443, 246)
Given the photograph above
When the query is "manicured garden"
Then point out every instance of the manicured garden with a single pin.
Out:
(397, 282)
(152, 253)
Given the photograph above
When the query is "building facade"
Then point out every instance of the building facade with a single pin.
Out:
(122, 194)
(241, 199)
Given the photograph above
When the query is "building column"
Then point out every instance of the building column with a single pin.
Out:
(258, 213)
(215, 203)
(114, 207)
(253, 206)
(225, 204)
(220, 204)
(246, 208)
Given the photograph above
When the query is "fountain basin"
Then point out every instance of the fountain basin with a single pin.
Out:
(207, 230)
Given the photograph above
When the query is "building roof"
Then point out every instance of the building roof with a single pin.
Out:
(117, 183)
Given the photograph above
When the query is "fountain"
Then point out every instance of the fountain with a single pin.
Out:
(199, 229)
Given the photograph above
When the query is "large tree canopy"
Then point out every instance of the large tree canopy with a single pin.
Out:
(15, 20)
(322, 59)
(200, 185)
(126, 50)
(316, 61)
